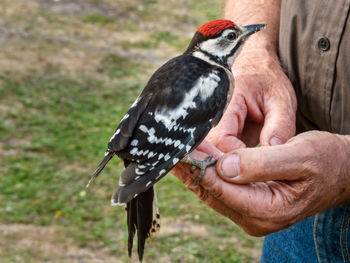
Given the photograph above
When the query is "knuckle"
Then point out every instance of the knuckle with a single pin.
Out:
(288, 124)
(217, 190)
(260, 163)
(202, 194)
(239, 105)
(199, 191)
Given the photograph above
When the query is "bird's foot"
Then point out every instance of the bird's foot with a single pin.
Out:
(202, 165)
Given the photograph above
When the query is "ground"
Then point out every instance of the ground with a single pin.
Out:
(69, 71)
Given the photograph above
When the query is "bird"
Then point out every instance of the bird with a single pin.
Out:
(181, 102)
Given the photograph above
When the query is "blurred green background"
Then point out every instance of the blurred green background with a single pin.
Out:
(68, 72)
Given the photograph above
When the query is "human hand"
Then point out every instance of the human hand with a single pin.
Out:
(269, 188)
(262, 107)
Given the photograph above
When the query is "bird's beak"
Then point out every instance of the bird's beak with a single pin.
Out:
(251, 29)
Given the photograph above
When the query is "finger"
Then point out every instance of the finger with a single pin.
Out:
(228, 142)
(263, 164)
(279, 124)
(206, 147)
(224, 135)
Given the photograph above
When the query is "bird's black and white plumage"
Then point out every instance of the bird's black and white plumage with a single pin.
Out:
(182, 101)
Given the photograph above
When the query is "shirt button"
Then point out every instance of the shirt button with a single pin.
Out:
(324, 44)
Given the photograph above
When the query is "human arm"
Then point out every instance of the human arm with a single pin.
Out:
(263, 104)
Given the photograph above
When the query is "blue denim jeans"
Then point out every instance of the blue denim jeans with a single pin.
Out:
(321, 238)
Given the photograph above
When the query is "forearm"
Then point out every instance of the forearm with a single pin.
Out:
(343, 154)
(246, 12)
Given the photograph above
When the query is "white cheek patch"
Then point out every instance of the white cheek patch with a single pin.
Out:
(209, 45)
(213, 46)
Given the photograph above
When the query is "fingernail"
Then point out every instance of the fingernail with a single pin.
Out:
(230, 166)
(275, 141)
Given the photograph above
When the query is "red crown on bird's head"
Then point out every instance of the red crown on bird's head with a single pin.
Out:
(215, 27)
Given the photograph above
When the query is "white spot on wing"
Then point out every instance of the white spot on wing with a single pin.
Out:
(134, 142)
(134, 151)
(148, 183)
(125, 117)
(138, 172)
(177, 143)
(209, 84)
(162, 172)
(166, 157)
(175, 160)
(143, 128)
(135, 102)
(188, 148)
(168, 141)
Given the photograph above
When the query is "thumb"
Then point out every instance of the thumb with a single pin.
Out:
(261, 164)
(279, 124)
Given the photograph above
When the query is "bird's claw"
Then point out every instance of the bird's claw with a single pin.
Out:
(203, 165)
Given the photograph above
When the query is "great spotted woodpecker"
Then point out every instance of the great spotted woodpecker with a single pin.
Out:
(182, 101)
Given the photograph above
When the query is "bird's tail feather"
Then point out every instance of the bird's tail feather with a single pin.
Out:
(140, 218)
(102, 165)
(131, 212)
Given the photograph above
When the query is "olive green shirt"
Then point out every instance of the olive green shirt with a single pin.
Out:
(314, 46)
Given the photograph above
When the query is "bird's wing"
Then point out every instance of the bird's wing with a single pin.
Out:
(122, 134)
(174, 121)
(125, 129)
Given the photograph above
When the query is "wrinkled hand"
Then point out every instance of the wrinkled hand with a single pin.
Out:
(262, 107)
(269, 188)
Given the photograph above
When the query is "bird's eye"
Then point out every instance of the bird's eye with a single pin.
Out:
(231, 36)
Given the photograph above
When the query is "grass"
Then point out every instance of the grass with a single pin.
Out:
(98, 19)
(117, 66)
(139, 44)
(59, 105)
